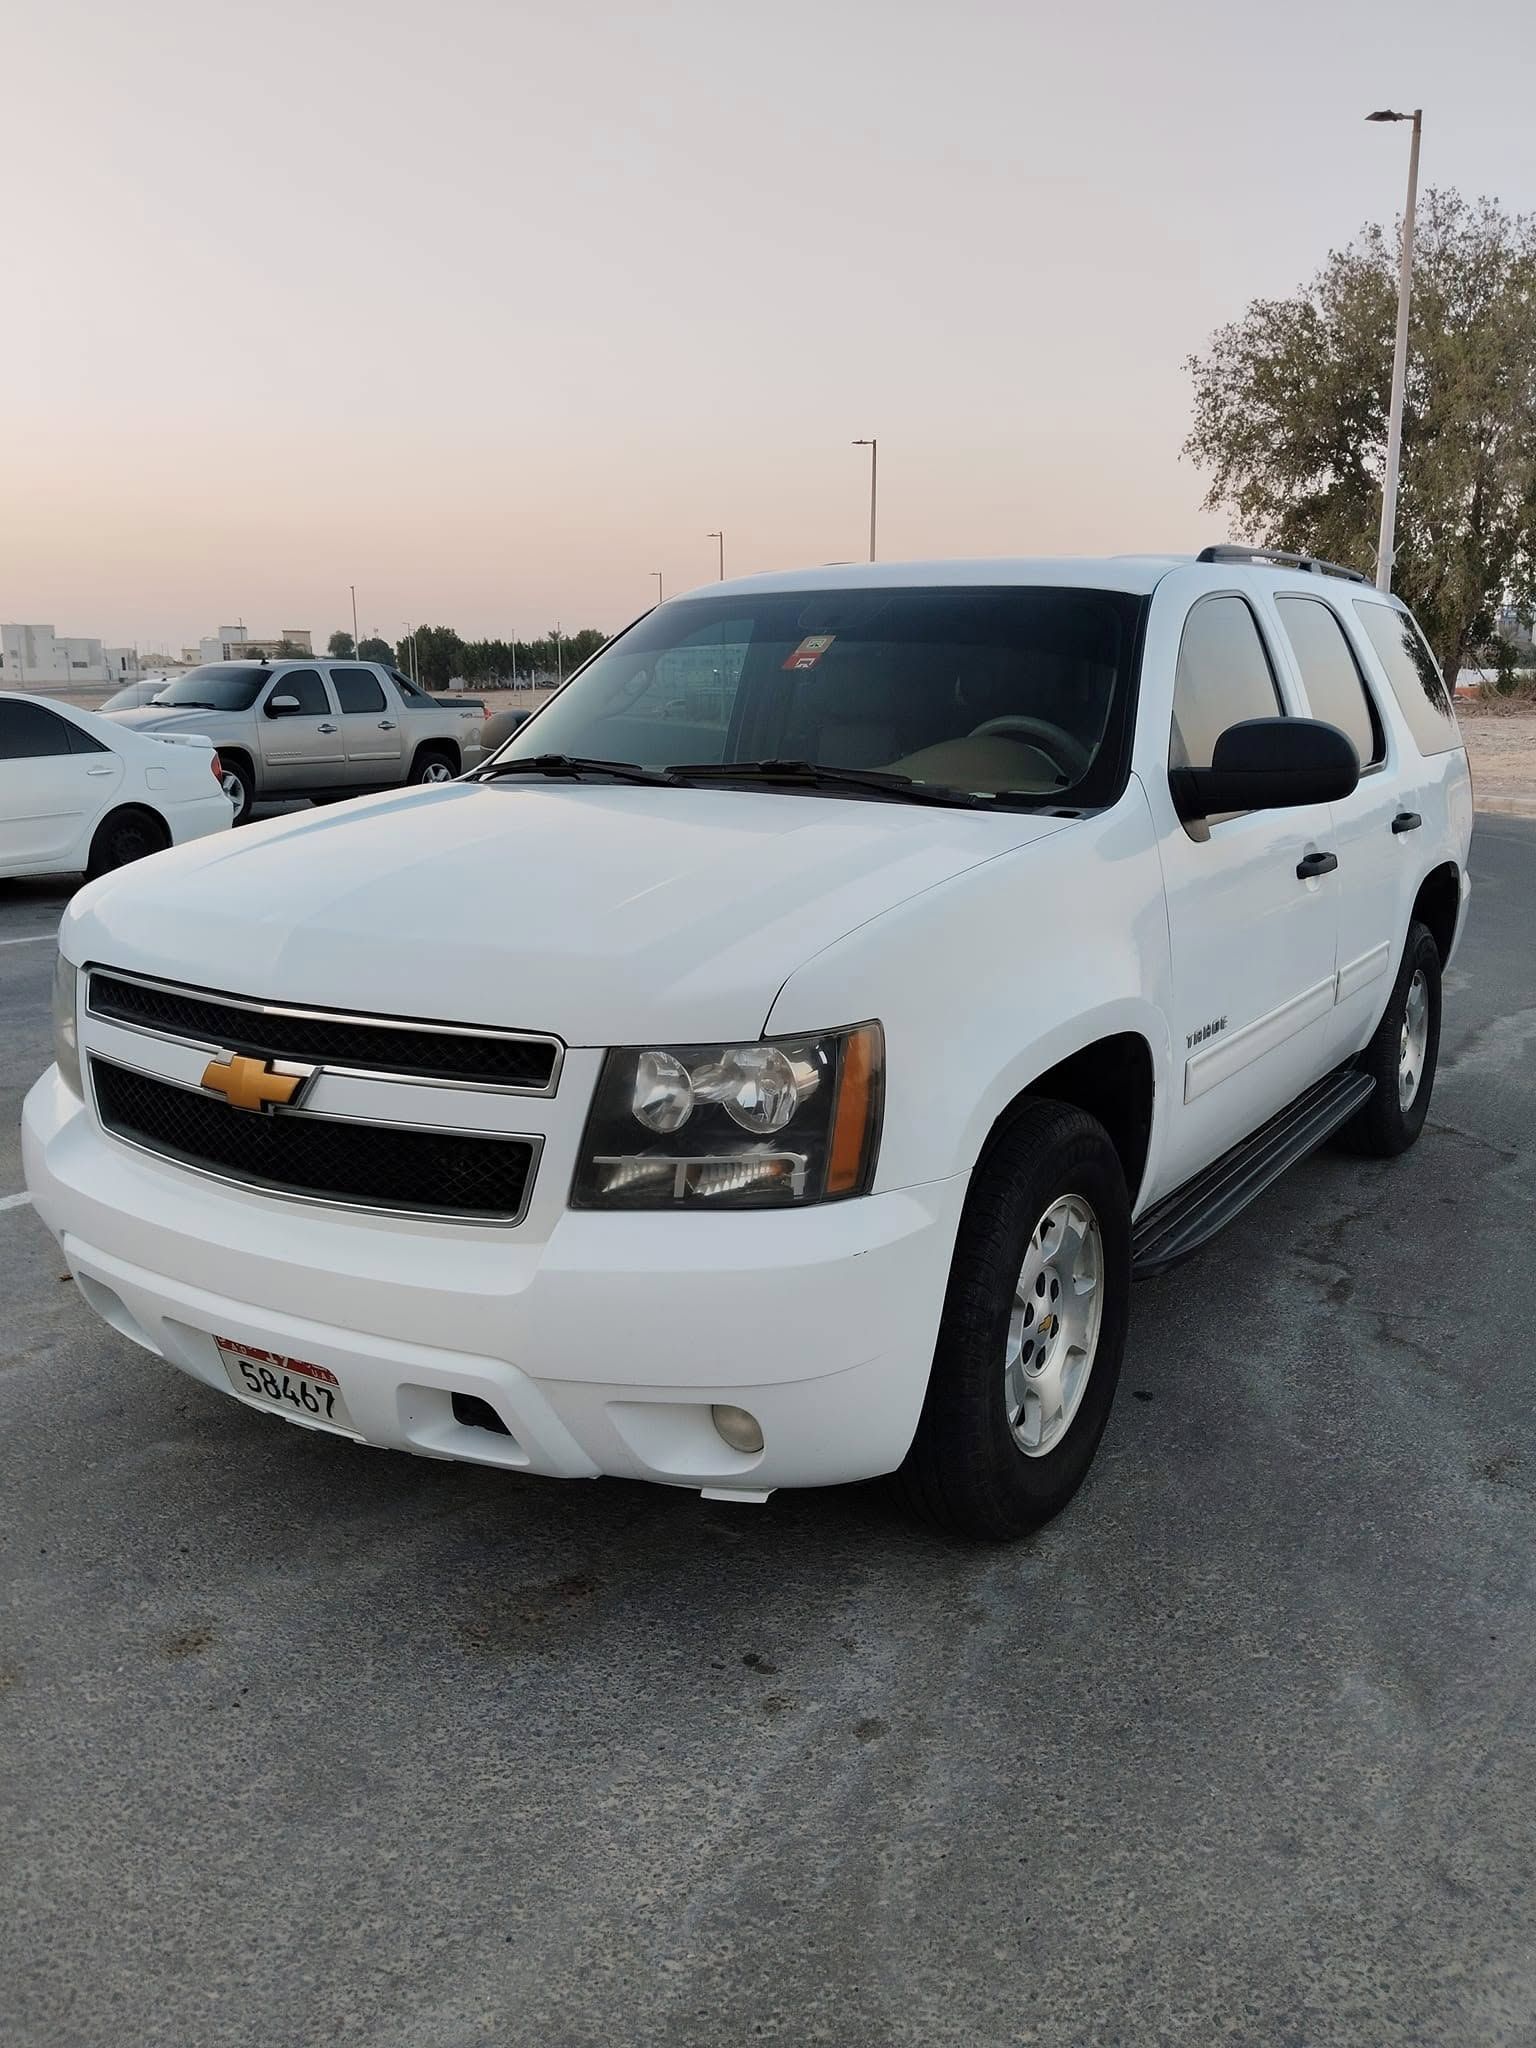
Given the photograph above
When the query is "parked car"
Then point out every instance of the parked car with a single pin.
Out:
(974, 938)
(133, 696)
(79, 794)
(500, 726)
(321, 729)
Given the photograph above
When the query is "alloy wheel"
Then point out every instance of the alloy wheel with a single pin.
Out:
(1053, 1325)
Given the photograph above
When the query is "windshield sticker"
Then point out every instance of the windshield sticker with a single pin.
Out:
(810, 650)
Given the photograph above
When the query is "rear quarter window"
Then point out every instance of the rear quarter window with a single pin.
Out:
(1417, 683)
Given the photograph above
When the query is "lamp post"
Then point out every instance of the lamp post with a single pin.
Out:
(661, 596)
(716, 534)
(874, 467)
(1385, 546)
(353, 588)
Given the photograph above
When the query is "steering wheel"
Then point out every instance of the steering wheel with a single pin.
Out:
(1065, 753)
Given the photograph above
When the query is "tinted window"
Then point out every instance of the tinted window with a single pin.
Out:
(1335, 689)
(305, 684)
(1223, 677)
(357, 689)
(28, 732)
(218, 686)
(408, 689)
(83, 742)
(1001, 689)
(1416, 682)
(125, 700)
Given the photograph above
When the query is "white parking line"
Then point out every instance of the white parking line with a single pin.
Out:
(32, 939)
(14, 1201)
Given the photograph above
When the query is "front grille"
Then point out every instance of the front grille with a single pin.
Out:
(373, 1166)
(411, 1049)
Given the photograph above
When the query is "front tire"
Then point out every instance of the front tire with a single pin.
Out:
(239, 785)
(1402, 1056)
(1033, 1330)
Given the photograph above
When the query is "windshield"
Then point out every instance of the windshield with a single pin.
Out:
(221, 686)
(131, 698)
(1016, 690)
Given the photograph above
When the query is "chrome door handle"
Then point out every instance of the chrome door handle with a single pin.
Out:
(325, 728)
(386, 725)
(100, 771)
(1316, 864)
(1407, 821)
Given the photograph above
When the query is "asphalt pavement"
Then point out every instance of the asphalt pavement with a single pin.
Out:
(302, 1742)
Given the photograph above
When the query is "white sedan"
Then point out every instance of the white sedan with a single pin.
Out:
(82, 794)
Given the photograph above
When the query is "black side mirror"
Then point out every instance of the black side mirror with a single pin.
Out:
(1268, 764)
(283, 707)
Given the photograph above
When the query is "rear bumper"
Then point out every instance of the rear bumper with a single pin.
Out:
(199, 816)
(602, 1348)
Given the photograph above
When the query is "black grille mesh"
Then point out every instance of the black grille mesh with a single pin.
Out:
(437, 1172)
(334, 1041)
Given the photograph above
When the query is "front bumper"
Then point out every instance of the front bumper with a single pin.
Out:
(602, 1347)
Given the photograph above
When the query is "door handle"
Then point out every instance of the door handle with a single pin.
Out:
(388, 725)
(100, 771)
(1316, 864)
(1407, 821)
(325, 728)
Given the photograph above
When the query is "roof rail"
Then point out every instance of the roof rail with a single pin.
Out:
(1311, 563)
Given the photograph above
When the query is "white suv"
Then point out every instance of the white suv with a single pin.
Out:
(906, 958)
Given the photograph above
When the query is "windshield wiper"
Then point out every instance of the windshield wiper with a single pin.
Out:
(572, 765)
(812, 775)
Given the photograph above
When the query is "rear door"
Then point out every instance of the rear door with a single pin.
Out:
(54, 781)
(1252, 934)
(301, 749)
(1377, 879)
(370, 727)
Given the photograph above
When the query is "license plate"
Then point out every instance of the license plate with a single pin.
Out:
(295, 1388)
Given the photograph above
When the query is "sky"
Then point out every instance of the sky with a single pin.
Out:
(493, 308)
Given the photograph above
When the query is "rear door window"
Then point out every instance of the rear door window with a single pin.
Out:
(1416, 682)
(357, 689)
(1335, 688)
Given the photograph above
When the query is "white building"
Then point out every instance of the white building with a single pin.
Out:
(34, 657)
(233, 643)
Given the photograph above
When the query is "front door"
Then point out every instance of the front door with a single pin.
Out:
(1252, 930)
(301, 745)
(370, 728)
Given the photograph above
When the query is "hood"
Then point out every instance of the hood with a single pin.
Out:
(602, 914)
(159, 718)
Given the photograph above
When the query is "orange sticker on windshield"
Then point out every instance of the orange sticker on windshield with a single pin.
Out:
(810, 650)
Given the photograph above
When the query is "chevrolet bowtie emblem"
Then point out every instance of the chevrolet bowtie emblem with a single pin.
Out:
(250, 1084)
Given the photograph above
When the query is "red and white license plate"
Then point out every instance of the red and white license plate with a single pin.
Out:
(293, 1386)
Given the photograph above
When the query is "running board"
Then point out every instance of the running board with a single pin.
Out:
(1192, 1216)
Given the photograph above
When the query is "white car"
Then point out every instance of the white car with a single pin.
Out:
(81, 794)
(908, 957)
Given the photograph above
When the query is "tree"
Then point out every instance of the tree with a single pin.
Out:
(1290, 417)
(288, 649)
(375, 650)
(340, 646)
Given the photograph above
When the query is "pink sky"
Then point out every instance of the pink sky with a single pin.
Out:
(493, 309)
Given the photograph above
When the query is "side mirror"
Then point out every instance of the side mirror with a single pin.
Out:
(1268, 764)
(283, 707)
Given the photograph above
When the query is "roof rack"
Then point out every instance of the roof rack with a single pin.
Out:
(1311, 563)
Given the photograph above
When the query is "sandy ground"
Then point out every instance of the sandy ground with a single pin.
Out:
(1501, 746)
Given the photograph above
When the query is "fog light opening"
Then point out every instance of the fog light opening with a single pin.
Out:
(743, 1432)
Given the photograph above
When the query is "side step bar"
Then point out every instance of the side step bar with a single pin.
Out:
(1192, 1215)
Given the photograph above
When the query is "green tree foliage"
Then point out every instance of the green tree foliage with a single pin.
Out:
(484, 664)
(287, 650)
(374, 650)
(1290, 417)
(340, 646)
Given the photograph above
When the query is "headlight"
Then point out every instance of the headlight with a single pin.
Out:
(66, 1036)
(777, 1124)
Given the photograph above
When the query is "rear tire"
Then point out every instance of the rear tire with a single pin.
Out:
(434, 764)
(1402, 1056)
(123, 837)
(1033, 1330)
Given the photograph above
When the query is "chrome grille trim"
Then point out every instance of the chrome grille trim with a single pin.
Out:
(428, 1027)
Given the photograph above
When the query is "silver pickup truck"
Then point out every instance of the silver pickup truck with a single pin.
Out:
(321, 729)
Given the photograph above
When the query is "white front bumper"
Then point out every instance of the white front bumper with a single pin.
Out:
(602, 1346)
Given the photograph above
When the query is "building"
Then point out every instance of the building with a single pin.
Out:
(233, 643)
(35, 658)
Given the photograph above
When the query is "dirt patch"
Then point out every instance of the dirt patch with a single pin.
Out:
(1501, 746)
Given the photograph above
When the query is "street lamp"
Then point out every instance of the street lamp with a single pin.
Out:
(660, 593)
(353, 588)
(716, 534)
(1385, 545)
(874, 462)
